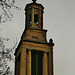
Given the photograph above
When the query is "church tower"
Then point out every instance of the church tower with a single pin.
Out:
(34, 55)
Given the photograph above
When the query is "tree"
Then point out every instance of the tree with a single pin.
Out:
(5, 13)
(6, 54)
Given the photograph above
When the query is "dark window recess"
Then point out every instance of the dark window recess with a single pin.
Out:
(35, 18)
(30, 18)
(41, 22)
(34, 37)
(36, 63)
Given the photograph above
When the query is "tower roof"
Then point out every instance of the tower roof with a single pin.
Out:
(34, 3)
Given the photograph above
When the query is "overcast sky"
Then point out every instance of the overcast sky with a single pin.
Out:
(59, 20)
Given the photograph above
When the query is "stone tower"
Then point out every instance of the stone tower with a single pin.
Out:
(34, 55)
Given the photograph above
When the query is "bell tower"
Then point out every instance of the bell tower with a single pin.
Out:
(34, 55)
(34, 15)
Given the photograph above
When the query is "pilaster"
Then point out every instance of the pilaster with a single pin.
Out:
(29, 62)
(23, 62)
(45, 64)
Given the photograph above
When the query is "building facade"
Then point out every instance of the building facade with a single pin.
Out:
(34, 55)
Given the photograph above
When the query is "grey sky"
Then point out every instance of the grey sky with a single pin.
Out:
(59, 20)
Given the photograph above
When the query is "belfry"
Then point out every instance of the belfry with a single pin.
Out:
(34, 55)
